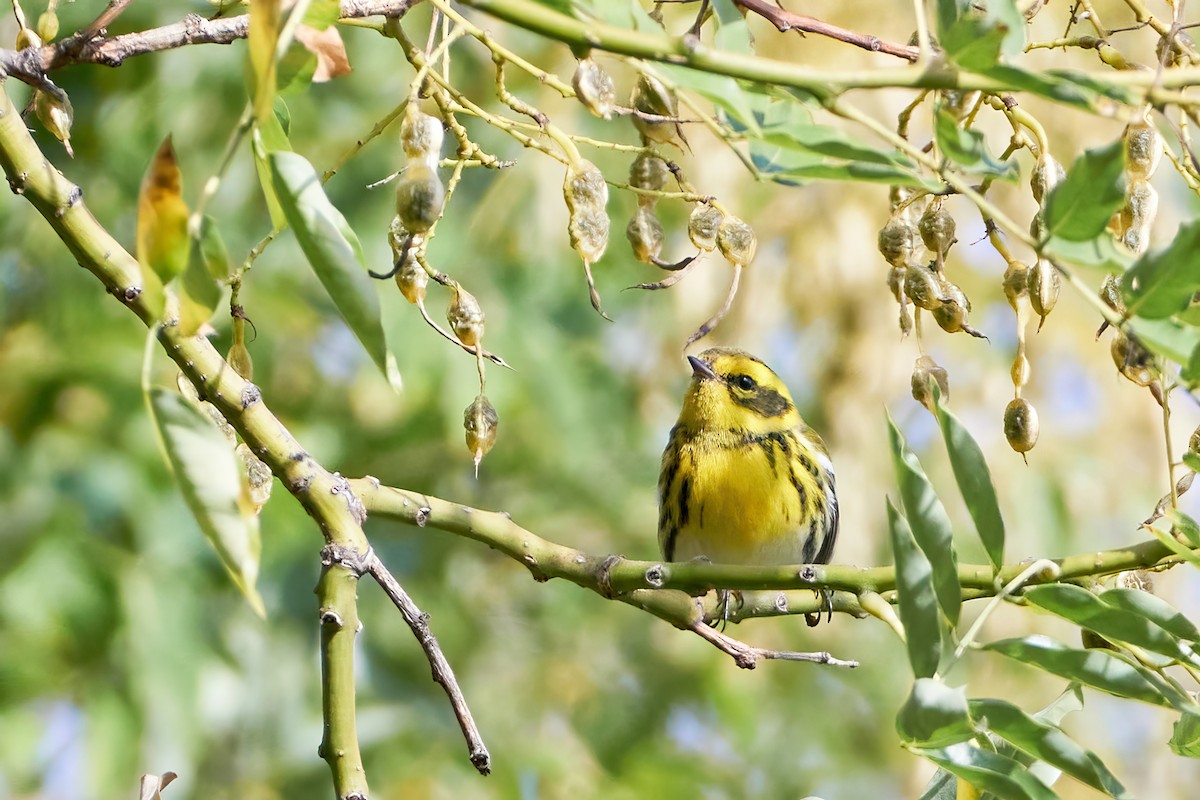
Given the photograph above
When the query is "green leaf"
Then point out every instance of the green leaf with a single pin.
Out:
(1174, 545)
(976, 38)
(333, 250)
(269, 137)
(1099, 669)
(1192, 461)
(1100, 256)
(1163, 283)
(1167, 337)
(1185, 739)
(942, 786)
(934, 714)
(915, 598)
(261, 38)
(214, 486)
(295, 70)
(930, 523)
(320, 14)
(1078, 605)
(1078, 209)
(975, 482)
(967, 148)
(1184, 524)
(1002, 776)
(213, 252)
(199, 293)
(1047, 743)
(1153, 608)
(720, 90)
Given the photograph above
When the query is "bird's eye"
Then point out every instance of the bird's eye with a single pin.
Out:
(744, 382)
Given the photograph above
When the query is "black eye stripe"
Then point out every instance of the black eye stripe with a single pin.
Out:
(765, 402)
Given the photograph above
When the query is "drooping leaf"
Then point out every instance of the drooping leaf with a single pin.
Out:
(1153, 608)
(1047, 743)
(321, 14)
(934, 715)
(1078, 208)
(1174, 545)
(721, 90)
(968, 149)
(262, 37)
(1078, 605)
(333, 250)
(1099, 256)
(916, 599)
(213, 485)
(1167, 337)
(1163, 282)
(991, 772)
(930, 523)
(1185, 738)
(974, 481)
(1099, 669)
(213, 251)
(975, 37)
(270, 137)
(162, 237)
(199, 293)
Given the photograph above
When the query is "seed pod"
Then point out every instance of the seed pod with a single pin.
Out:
(419, 198)
(1133, 360)
(1194, 442)
(421, 136)
(465, 315)
(1021, 426)
(736, 241)
(586, 194)
(951, 315)
(921, 286)
(588, 230)
(1141, 207)
(645, 234)
(895, 282)
(702, 226)
(258, 476)
(958, 103)
(239, 360)
(937, 228)
(27, 37)
(1180, 43)
(896, 242)
(1044, 284)
(926, 370)
(1047, 173)
(584, 187)
(594, 88)
(651, 97)
(1016, 279)
(648, 171)
(411, 277)
(480, 422)
(56, 115)
(1143, 149)
(906, 320)
(1110, 293)
(1019, 372)
(1037, 227)
(47, 26)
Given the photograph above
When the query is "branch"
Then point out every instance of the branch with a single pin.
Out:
(90, 47)
(615, 576)
(785, 21)
(443, 674)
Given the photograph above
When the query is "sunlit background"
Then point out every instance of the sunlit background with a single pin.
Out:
(125, 649)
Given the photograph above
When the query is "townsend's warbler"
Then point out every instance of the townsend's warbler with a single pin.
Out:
(744, 480)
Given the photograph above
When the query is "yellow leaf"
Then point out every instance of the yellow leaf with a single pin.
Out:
(262, 37)
(162, 240)
(327, 46)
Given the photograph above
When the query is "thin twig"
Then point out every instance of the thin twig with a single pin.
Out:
(443, 674)
(747, 656)
(106, 18)
(785, 21)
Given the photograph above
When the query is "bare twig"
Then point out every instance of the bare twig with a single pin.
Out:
(106, 18)
(747, 656)
(443, 674)
(785, 21)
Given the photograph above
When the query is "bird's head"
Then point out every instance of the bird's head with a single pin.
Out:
(733, 390)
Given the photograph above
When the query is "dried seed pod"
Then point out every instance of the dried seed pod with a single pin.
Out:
(239, 360)
(1110, 293)
(1019, 372)
(465, 315)
(1047, 173)
(480, 422)
(958, 103)
(906, 320)
(588, 229)
(594, 88)
(1133, 360)
(645, 234)
(1181, 42)
(937, 229)
(1016, 280)
(1141, 207)
(648, 171)
(951, 315)
(420, 196)
(584, 187)
(702, 226)
(56, 115)
(411, 277)
(586, 194)
(1037, 227)
(1044, 284)
(650, 97)
(421, 135)
(896, 242)
(926, 371)
(1021, 426)
(1194, 442)
(736, 241)
(895, 282)
(921, 286)
(1136, 240)
(1143, 149)
(27, 37)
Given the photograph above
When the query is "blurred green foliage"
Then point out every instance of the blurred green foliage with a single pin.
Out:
(125, 649)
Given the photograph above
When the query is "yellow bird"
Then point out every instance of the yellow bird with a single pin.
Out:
(743, 479)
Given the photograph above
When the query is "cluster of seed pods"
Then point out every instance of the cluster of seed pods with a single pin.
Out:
(1131, 227)
(420, 196)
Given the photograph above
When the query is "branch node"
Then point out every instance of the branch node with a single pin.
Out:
(301, 484)
(604, 575)
(331, 617)
(655, 577)
(251, 394)
(422, 517)
(131, 293)
(808, 574)
(17, 183)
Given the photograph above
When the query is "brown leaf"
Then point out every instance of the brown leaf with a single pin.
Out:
(327, 46)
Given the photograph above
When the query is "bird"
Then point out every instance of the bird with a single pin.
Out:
(744, 480)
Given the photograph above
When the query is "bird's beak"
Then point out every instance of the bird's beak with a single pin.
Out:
(701, 369)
